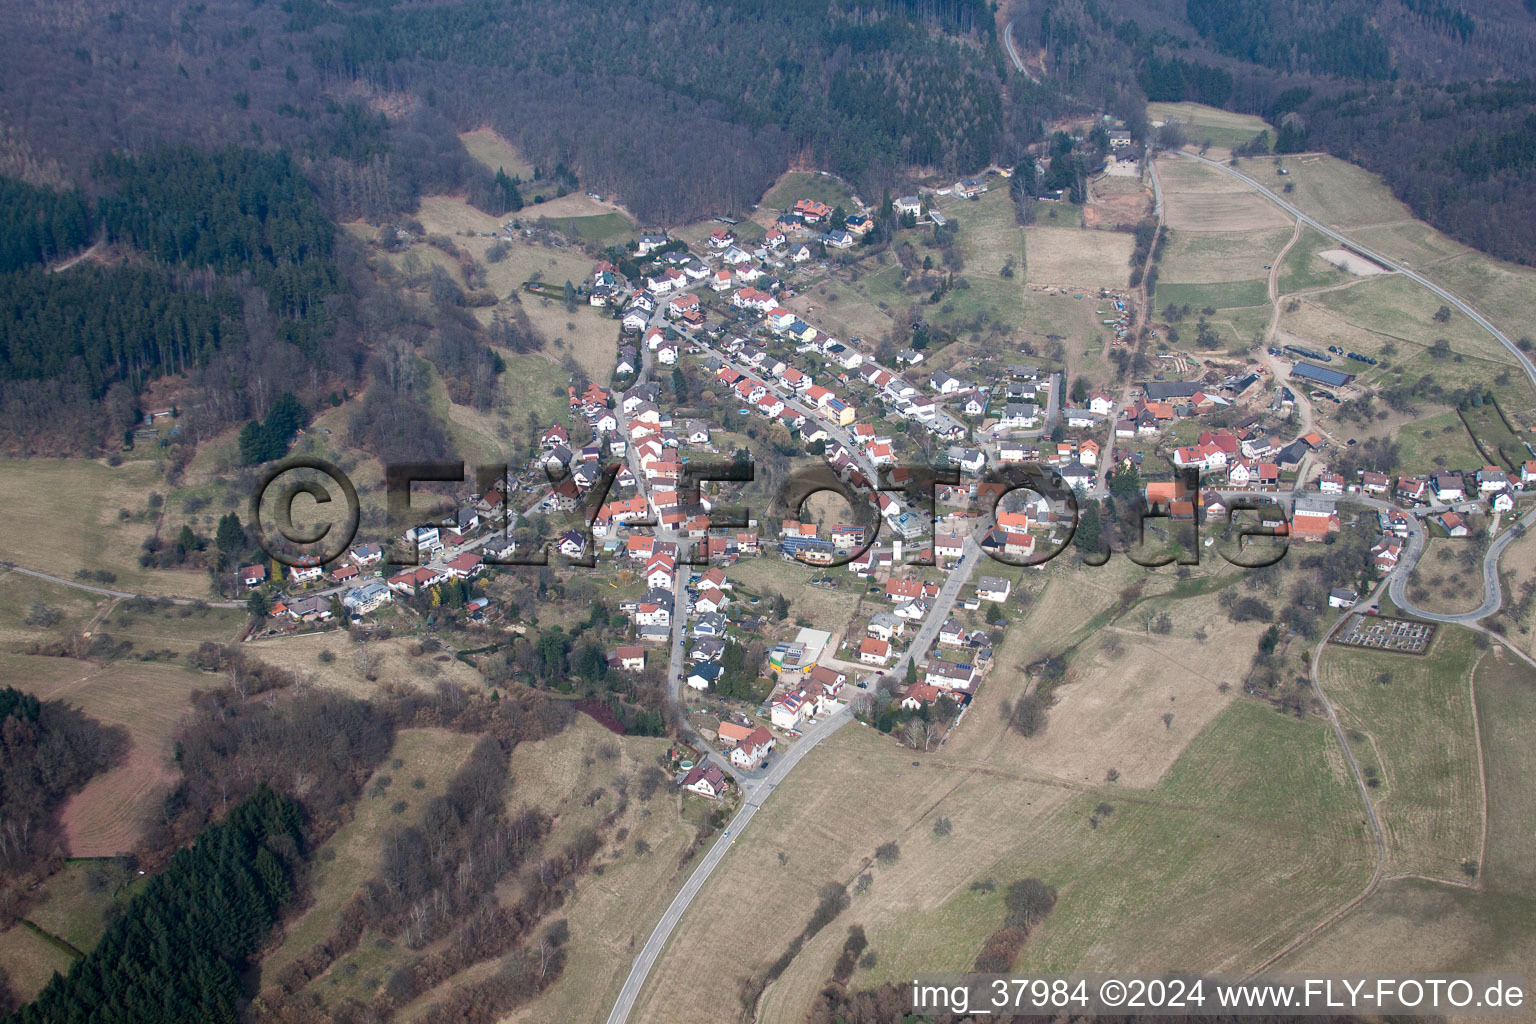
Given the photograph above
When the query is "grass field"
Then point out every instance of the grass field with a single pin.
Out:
(496, 153)
(1203, 257)
(794, 185)
(1339, 194)
(74, 899)
(827, 609)
(1200, 198)
(1435, 441)
(61, 515)
(602, 229)
(610, 915)
(1416, 733)
(1221, 128)
(1303, 269)
(1073, 258)
(30, 960)
(1506, 704)
(1420, 926)
(1222, 295)
(1230, 800)
(148, 700)
(1251, 837)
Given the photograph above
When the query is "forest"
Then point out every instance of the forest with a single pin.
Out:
(177, 953)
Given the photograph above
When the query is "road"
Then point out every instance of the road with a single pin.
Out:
(1013, 54)
(1303, 403)
(122, 594)
(958, 577)
(1412, 275)
(1493, 592)
(755, 798)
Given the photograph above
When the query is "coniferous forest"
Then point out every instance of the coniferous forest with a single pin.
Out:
(177, 953)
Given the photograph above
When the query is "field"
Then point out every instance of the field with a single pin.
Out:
(1506, 704)
(1191, 257)
(826, 609)
(148, 700)
(1303, 269)
(61, 515)
(496, 153)
(30, 960)
(74, 899)
(1340, 194)
(1202, 124)
(1416, 924)
(1415, 735)
(1200, 198)
(300, 653)
(1222, 295)
(1251, 838)
(611, 915)
(1075, 259)
(1230, 800)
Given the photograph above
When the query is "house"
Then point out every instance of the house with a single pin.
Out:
(943, 383)
(1453, 523)
(1503, 501)
(650, 243)
(908, 204)
(948, 545)
(873, 651)
(628, 659)
(253, 575)
(949, 675)
(752, 749)
(466, 565)
(919, 694)
(884, 626)
(952, 633)
(1386, 554)
(1338, 597)
(635, 319)
(1491, 479)
(1330, 483)
(368, 554)
(706, 779)
(788, 711)
(704, 675)
(1448, 487)
(1527, 472)
(306, 573)
(709, 624)
(1374, 483)
(993, 588)
(710, 601)
(1412, 488)
(367, 598)
(811, 210)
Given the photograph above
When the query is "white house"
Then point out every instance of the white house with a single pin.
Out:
(993, 588)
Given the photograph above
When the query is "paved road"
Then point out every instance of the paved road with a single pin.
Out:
(1412, 275)
(958, 577)
(1493, 592)
(755, 798)
(1013, 54)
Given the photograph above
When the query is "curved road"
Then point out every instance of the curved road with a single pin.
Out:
(755, 797)
(1412, 275)
(1013, 54)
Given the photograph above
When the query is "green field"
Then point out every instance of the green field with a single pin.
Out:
(73, 900)
(808, 185)
(1209, 124)
(603, 229)
(1435, 441)
(1506, 703)
(1223, 295)
(1414, 734)
(1211, 256)
(1304, 269)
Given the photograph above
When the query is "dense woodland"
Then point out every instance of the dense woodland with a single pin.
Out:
(1433, 95)
(177, 954)
(211, 252)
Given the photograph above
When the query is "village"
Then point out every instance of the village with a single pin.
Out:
(612, 494)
